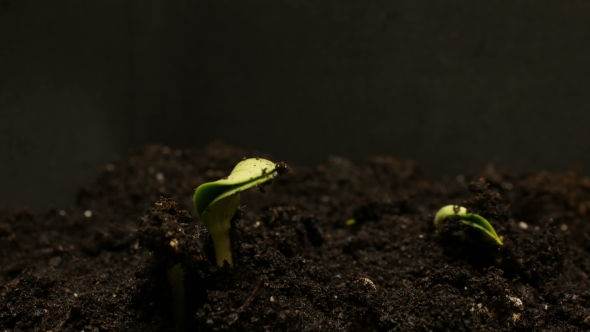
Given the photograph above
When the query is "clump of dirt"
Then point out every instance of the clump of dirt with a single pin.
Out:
(339, 247)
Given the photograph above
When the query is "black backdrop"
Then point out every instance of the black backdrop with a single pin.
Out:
(452, 84)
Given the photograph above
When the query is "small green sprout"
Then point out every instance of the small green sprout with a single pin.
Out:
(216, 202)
(470, 219)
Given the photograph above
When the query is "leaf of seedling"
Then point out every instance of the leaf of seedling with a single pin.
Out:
(217, 202)
(471, 219)
(247, 174)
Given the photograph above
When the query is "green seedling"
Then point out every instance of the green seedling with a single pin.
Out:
(350, 222)
(470, 219)
(216, 202)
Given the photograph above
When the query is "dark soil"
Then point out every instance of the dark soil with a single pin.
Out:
(102, 265)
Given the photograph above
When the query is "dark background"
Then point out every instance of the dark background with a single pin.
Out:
(452, 84)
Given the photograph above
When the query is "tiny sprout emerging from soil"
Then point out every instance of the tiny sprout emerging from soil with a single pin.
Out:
(216, 202)
(470, 219)
(350, 222)
(176, 280)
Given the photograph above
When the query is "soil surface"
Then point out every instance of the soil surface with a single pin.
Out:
(103, 265)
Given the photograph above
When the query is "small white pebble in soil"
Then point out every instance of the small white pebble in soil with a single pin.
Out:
(335, 296)
(114, 295)
(160, 176)
(563, 227)
(257, 224)
(166, 150)
(367, 281)
(515, 301)
(75, 295)
(546, 306)
(420, 236)
(87, 213)
(272, 299)
(110, 167)
(62, 213)
(523, 225)
(460, 178)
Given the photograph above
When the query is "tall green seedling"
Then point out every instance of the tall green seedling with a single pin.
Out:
(217, 202)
